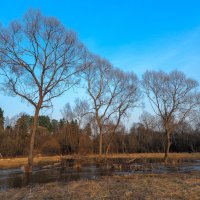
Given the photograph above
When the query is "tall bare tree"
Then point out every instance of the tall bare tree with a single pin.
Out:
(39, 60)
(173, 98)
(124, 95)
(111, 91)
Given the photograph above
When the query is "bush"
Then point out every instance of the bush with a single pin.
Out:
(51, 147)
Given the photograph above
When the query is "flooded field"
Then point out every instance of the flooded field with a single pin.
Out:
(13, 178)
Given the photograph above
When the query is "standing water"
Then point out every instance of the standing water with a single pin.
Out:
(12, 178)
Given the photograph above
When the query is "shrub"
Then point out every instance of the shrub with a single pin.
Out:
(51, 147)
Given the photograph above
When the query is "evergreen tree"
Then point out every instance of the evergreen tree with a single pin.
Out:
(45, 121)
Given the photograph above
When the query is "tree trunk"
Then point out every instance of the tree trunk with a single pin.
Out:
(78, 150)
(99, 122)
(32, 142)
(109, 143)
(167, 146)
(108, 148)
(111, 137)
(100, 142)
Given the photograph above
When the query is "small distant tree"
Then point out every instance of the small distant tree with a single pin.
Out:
(87, 129)
(55, 126)
(77, 113)
(45, 121)
(39, 59)
(1, 127)
(149, 121)
(23, 125)
(173, 97)
(2, 119)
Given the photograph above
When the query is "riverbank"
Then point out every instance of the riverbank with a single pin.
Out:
(136, 186)
(147, 157)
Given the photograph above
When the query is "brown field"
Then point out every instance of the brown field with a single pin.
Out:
(138, 186)
(42, 160)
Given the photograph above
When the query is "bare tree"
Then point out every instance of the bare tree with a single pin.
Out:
(39, 60)
(125, 96)
(173, 98)
(111, 91)
(152, 128)
(151, 122)
(79, 113)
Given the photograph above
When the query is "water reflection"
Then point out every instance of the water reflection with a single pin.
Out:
(16, 178)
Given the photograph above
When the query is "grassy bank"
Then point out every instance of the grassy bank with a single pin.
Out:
(137, 186)
(18, 162)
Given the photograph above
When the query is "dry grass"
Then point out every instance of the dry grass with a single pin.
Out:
(18, 162)
(137, 186)
(154, 155)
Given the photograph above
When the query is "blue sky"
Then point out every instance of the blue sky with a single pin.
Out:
(133, 35)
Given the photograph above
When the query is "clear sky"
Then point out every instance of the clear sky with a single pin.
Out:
(133, 35)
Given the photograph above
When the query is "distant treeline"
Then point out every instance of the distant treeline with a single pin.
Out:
(55, 137)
